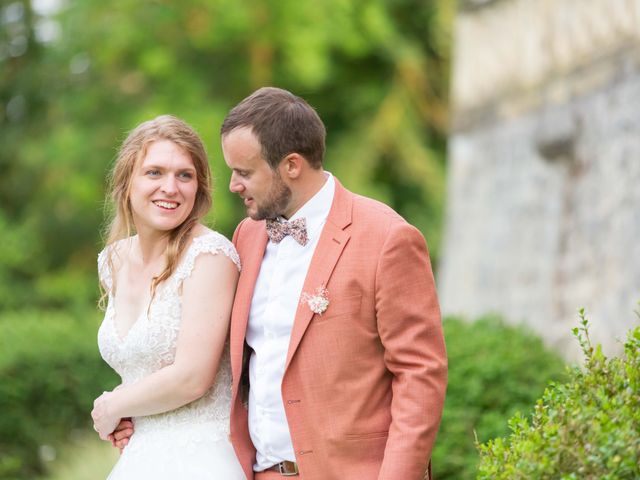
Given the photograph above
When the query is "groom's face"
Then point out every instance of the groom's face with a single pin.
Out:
(264, 192)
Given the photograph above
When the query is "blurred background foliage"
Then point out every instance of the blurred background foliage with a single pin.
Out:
(75, 76)
(495, 371)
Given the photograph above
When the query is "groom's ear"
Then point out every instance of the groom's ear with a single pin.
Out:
(292, 165)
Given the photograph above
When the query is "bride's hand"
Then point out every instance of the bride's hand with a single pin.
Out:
(104, 422)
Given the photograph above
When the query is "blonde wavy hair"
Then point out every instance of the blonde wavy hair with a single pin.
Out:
(132, 152)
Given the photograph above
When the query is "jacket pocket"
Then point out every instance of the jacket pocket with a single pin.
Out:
(340, 306)
(366, 436)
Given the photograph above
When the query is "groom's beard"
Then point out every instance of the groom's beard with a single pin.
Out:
(276, 201)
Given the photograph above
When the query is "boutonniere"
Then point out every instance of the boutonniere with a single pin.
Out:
(317, 302)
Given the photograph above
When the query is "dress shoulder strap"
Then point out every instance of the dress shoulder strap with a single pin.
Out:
(109, 257)
(210, 242)
(104, 272)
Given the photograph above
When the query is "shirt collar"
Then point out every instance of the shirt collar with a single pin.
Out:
(316, 209)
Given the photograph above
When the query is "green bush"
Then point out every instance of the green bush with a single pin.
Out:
(494, 371)
(587, 428)
(51, 371)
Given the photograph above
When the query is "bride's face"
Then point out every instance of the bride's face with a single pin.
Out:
(163, 188)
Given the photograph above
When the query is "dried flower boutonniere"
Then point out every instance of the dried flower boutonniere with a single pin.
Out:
(317, 302)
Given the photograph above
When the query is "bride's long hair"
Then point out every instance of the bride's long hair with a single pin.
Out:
(133, 150)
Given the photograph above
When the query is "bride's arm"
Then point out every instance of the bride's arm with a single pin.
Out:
(207, 297)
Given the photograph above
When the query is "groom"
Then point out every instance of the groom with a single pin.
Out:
(337, 351)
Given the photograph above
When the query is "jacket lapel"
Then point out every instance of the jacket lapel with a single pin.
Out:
(331, 243)
(251, 251)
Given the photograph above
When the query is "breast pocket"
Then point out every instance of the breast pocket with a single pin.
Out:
(340, 307)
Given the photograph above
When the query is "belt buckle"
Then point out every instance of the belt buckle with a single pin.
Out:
(288, 469)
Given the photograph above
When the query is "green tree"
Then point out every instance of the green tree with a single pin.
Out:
(76, 77)
(73, 81)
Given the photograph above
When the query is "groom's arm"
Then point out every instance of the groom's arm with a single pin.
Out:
(236, 233)
(122, 434)
(410, 329)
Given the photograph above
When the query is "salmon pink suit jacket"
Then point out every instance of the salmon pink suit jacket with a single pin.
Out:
(365, 380)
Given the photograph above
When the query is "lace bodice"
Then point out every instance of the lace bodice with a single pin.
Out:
(150, 343)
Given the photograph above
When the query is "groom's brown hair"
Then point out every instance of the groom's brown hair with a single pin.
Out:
(283, 123)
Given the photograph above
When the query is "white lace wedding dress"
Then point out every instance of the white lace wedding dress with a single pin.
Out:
(190, 442)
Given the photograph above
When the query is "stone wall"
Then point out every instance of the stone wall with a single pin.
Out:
(544, 167)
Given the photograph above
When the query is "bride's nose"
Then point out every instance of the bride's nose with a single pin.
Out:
(169, 184)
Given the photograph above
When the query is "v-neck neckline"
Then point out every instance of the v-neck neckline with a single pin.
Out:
(144, 313)
(142, 316)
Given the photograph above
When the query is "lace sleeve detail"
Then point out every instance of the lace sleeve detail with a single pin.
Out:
(211, 242)
(104, 272)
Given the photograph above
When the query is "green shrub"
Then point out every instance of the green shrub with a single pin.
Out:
(51, 371)
(494, 371)
(587, 428)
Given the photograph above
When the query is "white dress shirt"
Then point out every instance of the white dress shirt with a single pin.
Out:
(275, 300)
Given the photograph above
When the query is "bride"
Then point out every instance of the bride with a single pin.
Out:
(168, 290)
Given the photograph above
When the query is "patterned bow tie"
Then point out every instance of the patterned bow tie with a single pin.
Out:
(277, 230)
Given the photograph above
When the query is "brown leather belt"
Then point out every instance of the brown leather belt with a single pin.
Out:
(286, 468)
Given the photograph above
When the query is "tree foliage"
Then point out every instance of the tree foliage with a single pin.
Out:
(75, 78)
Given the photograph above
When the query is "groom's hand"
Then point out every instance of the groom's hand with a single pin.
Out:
(121, 435)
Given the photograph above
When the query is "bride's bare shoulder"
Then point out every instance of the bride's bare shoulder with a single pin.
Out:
(199, 229)
(120, 251)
